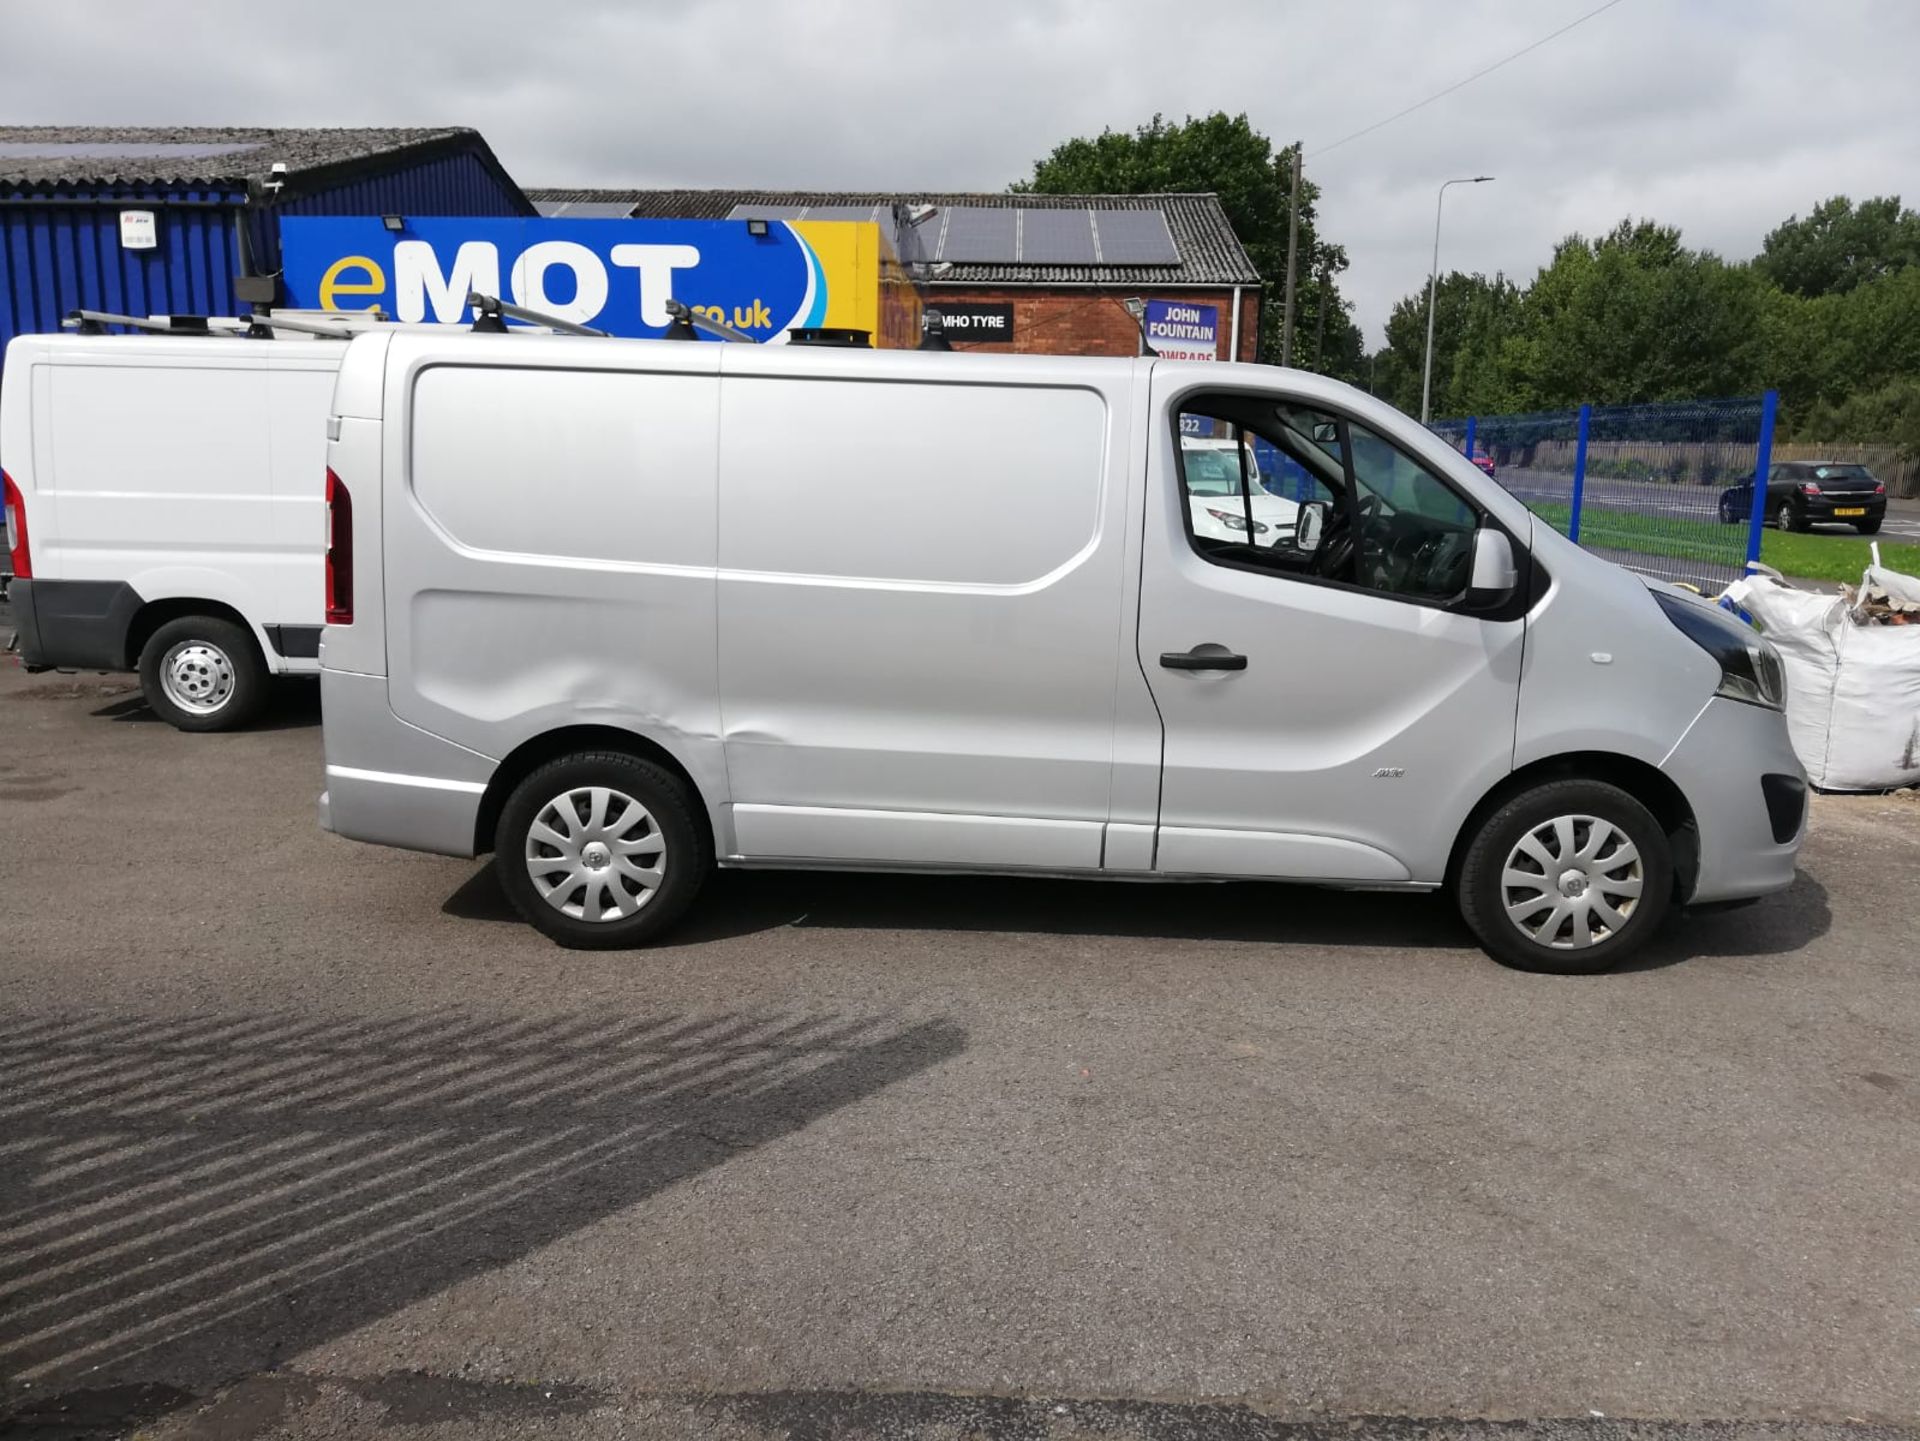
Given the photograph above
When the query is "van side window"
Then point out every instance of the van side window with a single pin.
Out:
(1310, 495)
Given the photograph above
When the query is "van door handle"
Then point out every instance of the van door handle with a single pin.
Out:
(1198, 659)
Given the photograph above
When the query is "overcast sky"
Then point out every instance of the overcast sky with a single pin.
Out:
(1720, 116)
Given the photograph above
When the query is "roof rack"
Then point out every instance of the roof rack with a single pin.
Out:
(254, 327)
(491, 313)
(690, 324)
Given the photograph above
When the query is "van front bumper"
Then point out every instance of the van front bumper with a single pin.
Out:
(1748, 792)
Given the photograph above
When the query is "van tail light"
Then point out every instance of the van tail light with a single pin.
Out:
(16, 507)
(339, 552)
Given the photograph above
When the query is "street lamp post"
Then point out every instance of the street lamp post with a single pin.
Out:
(1433, 285)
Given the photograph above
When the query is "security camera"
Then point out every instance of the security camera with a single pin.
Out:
(919, 214)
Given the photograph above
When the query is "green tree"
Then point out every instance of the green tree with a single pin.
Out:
(1474, 317)
(1840, 246)
(1224, 154)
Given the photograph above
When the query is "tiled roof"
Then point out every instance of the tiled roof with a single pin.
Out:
(46, 156)
(1210, 253)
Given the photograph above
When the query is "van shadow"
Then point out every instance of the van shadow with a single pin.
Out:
(294, 704)
(187, 1200)
(741, 903)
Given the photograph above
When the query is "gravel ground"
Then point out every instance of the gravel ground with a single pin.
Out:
(304, 1138)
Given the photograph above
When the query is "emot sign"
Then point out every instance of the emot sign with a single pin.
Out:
(616, 275)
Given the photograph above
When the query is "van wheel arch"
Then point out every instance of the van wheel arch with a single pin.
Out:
(1647, 784)
(527, 757)
(156, 613)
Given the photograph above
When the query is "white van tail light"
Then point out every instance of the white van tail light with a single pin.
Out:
(16, 507)
(339, 551)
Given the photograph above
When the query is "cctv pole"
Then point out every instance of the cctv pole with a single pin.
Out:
(1293, 245)
(1433, 285)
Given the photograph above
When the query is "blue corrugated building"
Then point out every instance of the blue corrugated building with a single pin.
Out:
(215, 197)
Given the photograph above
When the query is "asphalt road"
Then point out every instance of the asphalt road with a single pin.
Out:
(302, 1138)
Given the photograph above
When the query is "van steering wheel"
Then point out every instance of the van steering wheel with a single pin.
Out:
(1336, 550)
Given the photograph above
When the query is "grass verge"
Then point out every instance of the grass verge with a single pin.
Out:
(1810, 556)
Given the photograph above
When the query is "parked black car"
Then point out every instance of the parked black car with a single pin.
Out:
(1804, 493)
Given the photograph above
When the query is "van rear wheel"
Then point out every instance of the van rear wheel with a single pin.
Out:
(601, 850)
(203, 673)
(1570, 877)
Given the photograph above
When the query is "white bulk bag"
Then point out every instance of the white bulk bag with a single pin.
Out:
(1853, 691)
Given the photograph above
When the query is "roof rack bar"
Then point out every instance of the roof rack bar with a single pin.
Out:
(684, 315)
(91, 322)
(492, 307)
(303, 325)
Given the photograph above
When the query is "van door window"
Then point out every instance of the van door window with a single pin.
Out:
(1251, 468)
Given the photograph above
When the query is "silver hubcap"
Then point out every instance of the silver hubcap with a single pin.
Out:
(1572, 882)
(197, 676)
(595, 854)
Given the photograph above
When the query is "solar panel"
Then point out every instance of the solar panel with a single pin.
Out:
(846, 212)
(585, 209)
(1135, 237)
(1056, 237)
(977, 233)
(765, 212)
(114, 150)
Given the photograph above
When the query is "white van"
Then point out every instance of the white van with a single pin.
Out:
(164, 496)
(1226, 495)
(618, 611)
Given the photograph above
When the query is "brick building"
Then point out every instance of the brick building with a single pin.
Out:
(1057, 270)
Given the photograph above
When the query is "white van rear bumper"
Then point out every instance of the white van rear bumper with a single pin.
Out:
(392, 783)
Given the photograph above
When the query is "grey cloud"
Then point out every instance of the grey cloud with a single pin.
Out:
(1721, 116)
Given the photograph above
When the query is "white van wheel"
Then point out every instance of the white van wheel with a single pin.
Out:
(202, 673)
(197, 676)
(601, 850)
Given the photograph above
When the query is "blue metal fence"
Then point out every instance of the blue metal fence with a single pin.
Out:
(1666, 490)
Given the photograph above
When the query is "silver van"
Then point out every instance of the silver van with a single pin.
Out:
(621, 611)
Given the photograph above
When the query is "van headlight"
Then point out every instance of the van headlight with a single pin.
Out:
(1750, 668)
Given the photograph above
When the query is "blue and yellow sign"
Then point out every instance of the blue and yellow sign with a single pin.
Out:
(615, 275)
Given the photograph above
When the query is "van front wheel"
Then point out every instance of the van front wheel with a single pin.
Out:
(202, 673)
(1571, 877)
(601, 850)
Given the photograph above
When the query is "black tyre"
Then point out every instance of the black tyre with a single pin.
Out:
(1777, 518)
(601, 850)
(202, 673)
(1571, 877)
(1867, 527)
(1797, 519)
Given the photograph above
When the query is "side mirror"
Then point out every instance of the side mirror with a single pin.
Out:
(1496, 574)
(1309, 525)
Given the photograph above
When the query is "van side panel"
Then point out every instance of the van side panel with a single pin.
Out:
(548, 532)
(919, 595)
